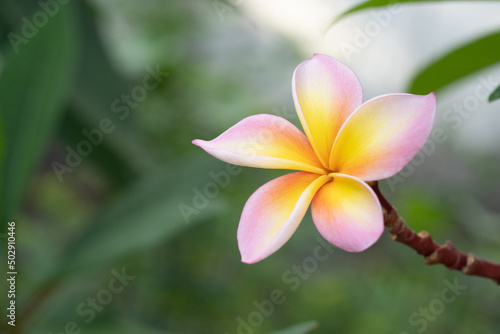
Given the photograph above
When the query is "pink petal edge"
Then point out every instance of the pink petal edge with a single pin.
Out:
(382, 136)
(347, 213)
(325, 92)
(273, 213)
(264, 141)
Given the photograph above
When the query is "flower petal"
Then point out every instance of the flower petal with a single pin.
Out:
(265, 141)
(273, 212)
(325, 93)
(383, 135)
(347, 213)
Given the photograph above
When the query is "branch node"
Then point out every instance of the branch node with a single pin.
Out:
(427, 246)
(397, 227)
(434, 253)
(472, 266)
(448, 255)
(390, 217)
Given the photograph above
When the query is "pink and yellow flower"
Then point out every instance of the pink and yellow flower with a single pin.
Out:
(346, 144)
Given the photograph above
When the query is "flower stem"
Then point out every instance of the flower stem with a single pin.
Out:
(433, 252)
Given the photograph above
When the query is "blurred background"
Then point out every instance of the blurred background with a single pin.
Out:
(124, 226)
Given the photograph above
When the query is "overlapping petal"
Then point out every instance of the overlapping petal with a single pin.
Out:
(273, 212)
(383, 135)
(347, 213)
(265, 141)
(325, 93)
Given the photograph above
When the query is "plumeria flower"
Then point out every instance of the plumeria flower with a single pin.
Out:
(346, 144)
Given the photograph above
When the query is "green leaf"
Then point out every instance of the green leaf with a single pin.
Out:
(95, 90)
(33, 88)
(124, 326)
(2, 138)
(495, 95)
(147, 213)
(381, 3)
(301, 328)
(457, 64)
(12, 11)
(121, 154)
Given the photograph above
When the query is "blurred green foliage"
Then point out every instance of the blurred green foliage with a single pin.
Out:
(382, 3)
(455, 64)
(120, 208)
(495, 95)
(30, 106)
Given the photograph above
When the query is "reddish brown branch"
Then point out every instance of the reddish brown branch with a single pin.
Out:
(433, 252)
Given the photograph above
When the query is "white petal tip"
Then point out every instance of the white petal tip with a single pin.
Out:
(247, 259)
